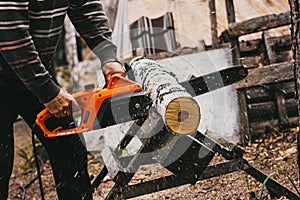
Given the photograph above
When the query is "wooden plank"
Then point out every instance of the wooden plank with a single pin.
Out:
(260, 126)
(288, 88)
(250, 47)
(269, 74)
(267, 110)
(259, 24)
(262, 110)
(230, 11)
(292, 107)
(280, 101)
(262, 93)
(258, 94)
(253, 61)
(214, 24)
(283, 43)
(270, 47)
(245, 131)
(233, 40)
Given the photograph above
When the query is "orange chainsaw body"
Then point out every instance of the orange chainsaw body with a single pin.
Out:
(90, 102)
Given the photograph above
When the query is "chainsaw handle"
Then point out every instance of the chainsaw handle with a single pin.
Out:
(42, 117)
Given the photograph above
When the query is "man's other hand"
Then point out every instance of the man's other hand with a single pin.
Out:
(111, 68)
(61, 105)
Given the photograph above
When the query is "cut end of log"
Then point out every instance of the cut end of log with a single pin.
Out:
(182, 116)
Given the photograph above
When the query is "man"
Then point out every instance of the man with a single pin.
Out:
(29, 32)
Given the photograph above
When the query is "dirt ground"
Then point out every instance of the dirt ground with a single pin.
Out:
(275, 153)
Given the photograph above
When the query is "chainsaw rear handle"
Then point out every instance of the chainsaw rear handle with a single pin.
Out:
(90, 102)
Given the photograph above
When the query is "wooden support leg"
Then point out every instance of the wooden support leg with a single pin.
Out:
(271, 184)
(122, 190)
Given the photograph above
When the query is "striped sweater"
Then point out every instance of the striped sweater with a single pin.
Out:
(29, 33)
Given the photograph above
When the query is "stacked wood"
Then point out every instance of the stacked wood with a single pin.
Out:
(270, 98)
(254, 53)
(263, 97)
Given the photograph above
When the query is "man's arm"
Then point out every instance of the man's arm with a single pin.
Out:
(92, 24)
(18, 50)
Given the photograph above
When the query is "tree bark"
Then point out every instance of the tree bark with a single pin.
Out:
(179, 111)
(295, 36)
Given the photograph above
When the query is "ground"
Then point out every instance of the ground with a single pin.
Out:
(275, 154)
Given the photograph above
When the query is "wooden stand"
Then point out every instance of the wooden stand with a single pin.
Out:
(187, 167)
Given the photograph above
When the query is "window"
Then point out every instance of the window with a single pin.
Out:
(153, 35)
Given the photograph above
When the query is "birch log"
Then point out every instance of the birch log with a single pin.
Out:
(179, 111)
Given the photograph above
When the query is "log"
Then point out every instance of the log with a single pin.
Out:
(250, 48)
(259, 24)
(214, 24)
(179, 111)
(263, 94)
(245, 131)
(260, 126)
(234, 41)
(291, 107)
(253, 61)
(254, 47)
(258, 94)
(282, 43)
(267, 110)
(279, 98)
(230, 11)
(269, 74)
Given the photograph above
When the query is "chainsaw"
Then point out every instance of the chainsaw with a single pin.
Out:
(125, 100)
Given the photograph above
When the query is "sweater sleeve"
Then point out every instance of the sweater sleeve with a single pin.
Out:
(92, 24)
(18, 50)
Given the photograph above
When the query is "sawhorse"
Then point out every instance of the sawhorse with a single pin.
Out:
(188, 160)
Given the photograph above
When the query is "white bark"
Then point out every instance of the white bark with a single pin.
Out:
(178, 109)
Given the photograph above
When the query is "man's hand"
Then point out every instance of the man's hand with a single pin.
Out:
(61, 105)
(111, 68)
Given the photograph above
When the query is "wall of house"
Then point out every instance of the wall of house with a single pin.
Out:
(192, 21)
